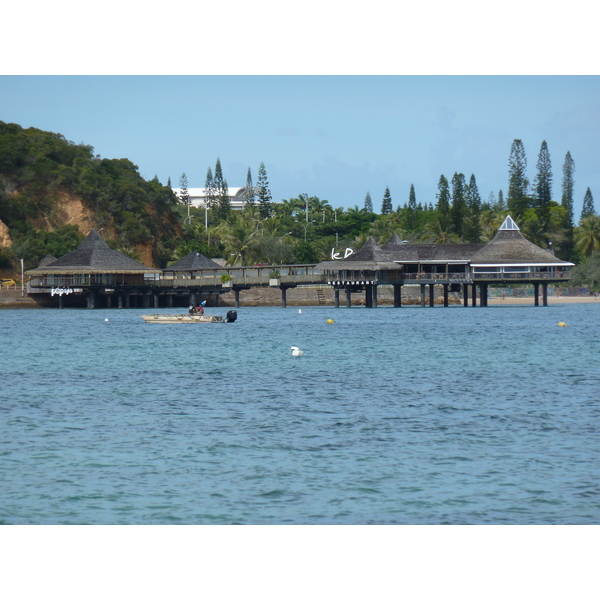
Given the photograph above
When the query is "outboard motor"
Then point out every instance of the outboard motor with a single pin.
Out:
(231, 316)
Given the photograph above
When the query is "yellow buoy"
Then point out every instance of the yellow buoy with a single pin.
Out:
(330, 321)
(562, 324)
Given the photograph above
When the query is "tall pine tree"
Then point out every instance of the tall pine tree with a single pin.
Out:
(500, 205)
(368, 203)
(543, 186)
(443, 200)
(184, 195)
(588, 205)
(223, 203)
(264, 193)
(568, 184)
(473, 204)
(249, 189)
(386, 205)
(412, 218)
(209, 189)
(517, 200)
(459, 206)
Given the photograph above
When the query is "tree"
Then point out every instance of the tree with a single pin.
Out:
(386, 205)
(411, 220)
(459, 206)
(500, 205)
(249, 192)
(184, 195)
(473, 205)
(209, 189)
(568, 183)
(517, 200)
(368, 203)
(587, 272)
(222, 201)
(264, 193)
(543, 185)
(587, 235)
(443, 198)
(588, 205)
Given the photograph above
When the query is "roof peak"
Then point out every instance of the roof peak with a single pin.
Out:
(509, 225)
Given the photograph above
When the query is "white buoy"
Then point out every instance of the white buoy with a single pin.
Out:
(296, 351)
(106, 320)
(299, 311)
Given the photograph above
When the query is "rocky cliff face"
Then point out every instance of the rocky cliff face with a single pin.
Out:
(69, 209)
(5, 239)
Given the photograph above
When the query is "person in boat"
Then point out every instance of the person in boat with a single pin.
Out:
(200, 309)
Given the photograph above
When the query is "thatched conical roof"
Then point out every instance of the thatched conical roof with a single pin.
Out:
(47, 260)
(194, 261)
(94, 255)
(509, 247)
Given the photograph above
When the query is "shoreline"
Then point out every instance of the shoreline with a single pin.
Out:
(551, 300)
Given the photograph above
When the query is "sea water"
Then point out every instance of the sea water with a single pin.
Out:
(459, 415)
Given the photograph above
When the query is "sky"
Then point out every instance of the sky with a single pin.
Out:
(332, 136)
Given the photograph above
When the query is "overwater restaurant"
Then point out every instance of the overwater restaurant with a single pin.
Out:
(507, 259)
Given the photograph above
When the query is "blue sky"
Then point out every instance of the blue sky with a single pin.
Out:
(335, 137)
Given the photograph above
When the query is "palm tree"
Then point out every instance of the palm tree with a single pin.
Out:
(237, 235)
(587, 235)
(437, 231)
(385, 226)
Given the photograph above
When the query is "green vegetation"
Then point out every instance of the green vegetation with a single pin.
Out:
(37, 168)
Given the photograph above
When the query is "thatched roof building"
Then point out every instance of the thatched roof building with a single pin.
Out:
(194, 261)
(92, 256)
(371, 257)
(510, 248)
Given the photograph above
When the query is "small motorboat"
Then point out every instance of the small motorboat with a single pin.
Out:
(190, 318)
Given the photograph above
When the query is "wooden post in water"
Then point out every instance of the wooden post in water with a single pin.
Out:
(465, 294)
(237, 297)
(374, 295)
(336, 294)
(422, 295)
(283, 296)
(431, 295)
(397, 296)
(369, 296)
(483, 294)
(536, 294)
(545, 294)
(348, 298)
(474, 303)
(445, 286)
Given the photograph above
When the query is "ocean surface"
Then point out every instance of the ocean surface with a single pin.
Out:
(392, 416)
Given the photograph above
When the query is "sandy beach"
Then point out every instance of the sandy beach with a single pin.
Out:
(551, 300)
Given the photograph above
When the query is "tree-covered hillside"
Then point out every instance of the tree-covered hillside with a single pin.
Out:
(42, 176)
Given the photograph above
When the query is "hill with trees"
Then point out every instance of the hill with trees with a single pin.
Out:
(52, 192)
